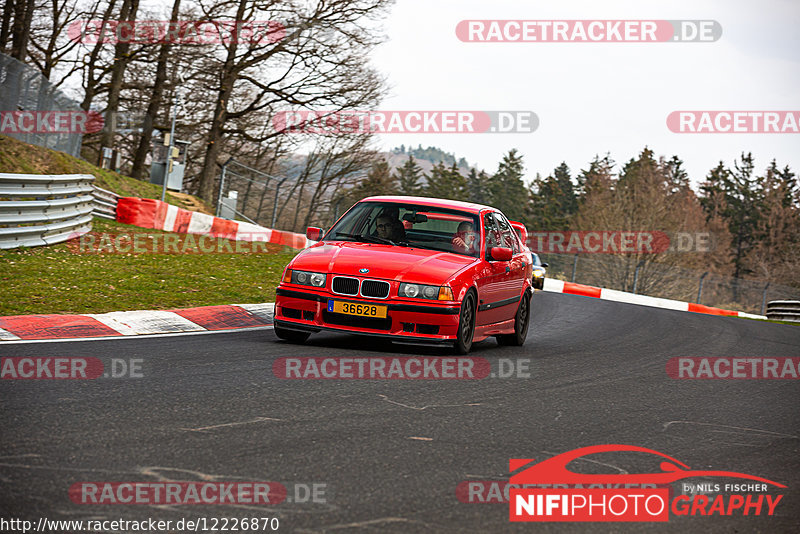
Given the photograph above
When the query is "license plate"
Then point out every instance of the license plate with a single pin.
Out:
(353, 308)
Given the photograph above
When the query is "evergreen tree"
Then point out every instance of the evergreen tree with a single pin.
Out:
(676, 176)
(553, 201)
(408, 178)
(599, 176)
(567, 198)
(377, 182)
(477, 187)
(444, 182)
(507, 190)
(735, 195)
(545, 209)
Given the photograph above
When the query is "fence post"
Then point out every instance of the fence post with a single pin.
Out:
(275, 203)
(700, 289)
(574, 268)
(764, 298)
(636, 275)
(222, 186)
(168, 168)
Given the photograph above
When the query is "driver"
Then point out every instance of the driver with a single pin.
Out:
(390, 228)
(466, 240)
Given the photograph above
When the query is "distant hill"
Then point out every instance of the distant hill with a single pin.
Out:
(426, 157)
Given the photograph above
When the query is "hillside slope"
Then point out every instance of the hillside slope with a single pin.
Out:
(19, 157)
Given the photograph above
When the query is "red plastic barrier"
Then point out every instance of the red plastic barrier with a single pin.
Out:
(182, 222)
(699, 308)
(151, 213)
(224, 228)
(580, 289)
(161, 215)
(137, 211)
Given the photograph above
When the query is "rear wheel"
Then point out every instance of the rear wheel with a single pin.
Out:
(292, 336)
(521, 321)
(466, 324)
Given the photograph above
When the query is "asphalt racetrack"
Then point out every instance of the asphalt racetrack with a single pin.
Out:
(388, 455)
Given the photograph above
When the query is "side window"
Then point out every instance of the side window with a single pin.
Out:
(492, 234)
(509, 237)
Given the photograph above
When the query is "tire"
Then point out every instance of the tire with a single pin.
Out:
(521, 322)
(466, 324)
(292, 336)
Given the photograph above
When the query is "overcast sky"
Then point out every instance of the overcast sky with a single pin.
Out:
(593, 98)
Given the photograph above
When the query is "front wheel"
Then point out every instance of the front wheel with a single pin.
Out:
(466, 325)
(520, 324)
(292, 336)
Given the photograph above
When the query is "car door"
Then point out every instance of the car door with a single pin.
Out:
(493, 281)
(514, 273)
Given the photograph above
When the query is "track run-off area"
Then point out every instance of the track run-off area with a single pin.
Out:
(388, 455)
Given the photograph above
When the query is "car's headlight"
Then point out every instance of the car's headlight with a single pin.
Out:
(307, 278)
(420, 291)
(537, 273)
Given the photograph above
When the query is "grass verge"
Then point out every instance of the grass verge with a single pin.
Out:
(57, 279)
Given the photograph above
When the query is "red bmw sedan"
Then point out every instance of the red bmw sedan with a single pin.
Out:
(418, 270)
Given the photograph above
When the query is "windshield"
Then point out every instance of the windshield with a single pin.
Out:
(409, 225)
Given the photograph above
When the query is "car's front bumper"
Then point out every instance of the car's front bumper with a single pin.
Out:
(307, 310)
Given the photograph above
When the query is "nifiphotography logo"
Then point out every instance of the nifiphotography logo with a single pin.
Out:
(548, 491)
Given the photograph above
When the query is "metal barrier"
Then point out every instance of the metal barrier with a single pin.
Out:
(784, 310)
(44, 209)
(104, 203)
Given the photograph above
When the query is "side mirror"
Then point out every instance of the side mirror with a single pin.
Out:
(313, 233)
(501, 254)
(545, 265)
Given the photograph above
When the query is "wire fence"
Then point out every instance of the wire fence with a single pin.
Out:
(29, 104)
(667, 281)
(248, 194)
(292, 198)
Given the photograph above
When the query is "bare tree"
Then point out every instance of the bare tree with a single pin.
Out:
(155, 100)
(122, 56)
(319, 62)
(51, 47)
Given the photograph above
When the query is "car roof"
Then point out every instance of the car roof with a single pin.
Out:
(432, 202)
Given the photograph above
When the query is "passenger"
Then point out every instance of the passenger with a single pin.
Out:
(466, 240)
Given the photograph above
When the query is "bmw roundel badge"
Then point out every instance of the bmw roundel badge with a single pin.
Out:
(363, 270)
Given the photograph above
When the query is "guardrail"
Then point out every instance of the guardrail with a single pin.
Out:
(104, 204)
(784, 310)
(44, 209)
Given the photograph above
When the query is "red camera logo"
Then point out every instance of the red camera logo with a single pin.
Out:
(591, 503)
